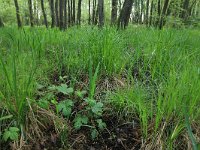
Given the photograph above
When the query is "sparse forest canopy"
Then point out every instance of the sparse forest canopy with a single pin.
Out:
(66, 13)
(99, 74)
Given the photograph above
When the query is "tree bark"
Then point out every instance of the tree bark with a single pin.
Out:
(101, 12)
(185, 10)
(151, 13)
(114, 12)
(147, 13)
(65, 14)
(89, 14)
(94, 11)
(1, 23)
(141, 10)
(44, 14)
(159, 13)
(125, 14)
(61, 14)
(19, 23)
(79, 13)
(52, 13)
(57, 14)
(31, 12)
(69, 13)
(73, 12)
(163, 15)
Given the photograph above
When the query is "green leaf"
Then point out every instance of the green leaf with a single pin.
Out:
(6, 135)
(63, 89)
(43, 103)
(80, 93)
(65, 107)
(97, 108)
(91, 102)
(101, 124)
(94, 134)
(79, 121)
(12, 133)
(13, 129)
(6, 117)
(14, 136)
(52, 88)
(53, 101)
(39, 86)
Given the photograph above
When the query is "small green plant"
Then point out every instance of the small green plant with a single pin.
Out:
(92, 112)
(11, 133)
(65, 107)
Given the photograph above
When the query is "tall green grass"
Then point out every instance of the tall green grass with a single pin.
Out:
(166, 63)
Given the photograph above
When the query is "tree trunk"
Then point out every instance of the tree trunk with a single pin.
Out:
(36, 12)
(141, 10)
(44, 14)
(73, 12)
(114, 12)
(185, 10)
(19, 23)
(159, 13)
(61, 14)
(69, 13)
(30, 12)
(94, 11)
(79, 13)
(147, 13)
(65, 14)
(137, 12)
(57, 14)
(163, 15)
(151, 13)
(89, 14)
(101, 12)
(1, 23)
(125, 14)
(52, 13)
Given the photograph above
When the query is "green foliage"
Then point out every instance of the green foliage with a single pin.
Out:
(64, 89)
(79, 121)
(11, 133)
(159, 69)
(65, 107)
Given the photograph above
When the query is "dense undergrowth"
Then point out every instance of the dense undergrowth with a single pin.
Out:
(137, 89)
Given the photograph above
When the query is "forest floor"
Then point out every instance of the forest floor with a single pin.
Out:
(96, 89)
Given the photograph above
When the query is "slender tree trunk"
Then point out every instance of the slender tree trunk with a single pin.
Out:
(141, 10)
(94, 11)
(52, 13)
(147, 13)
(65, 14)
(151, 13)
(159, 13)
(57, 14)
(101, 12)
(137, 12)
(114, 12)
(73, 12)
(79, 13)
(44, 14)
(1, 23)
(125, 14)
(185, 10)
(30, 12)
(61, 14)
(163, 15)
(34, 6)
(69, 13)
(19, 23)
(89, 14)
